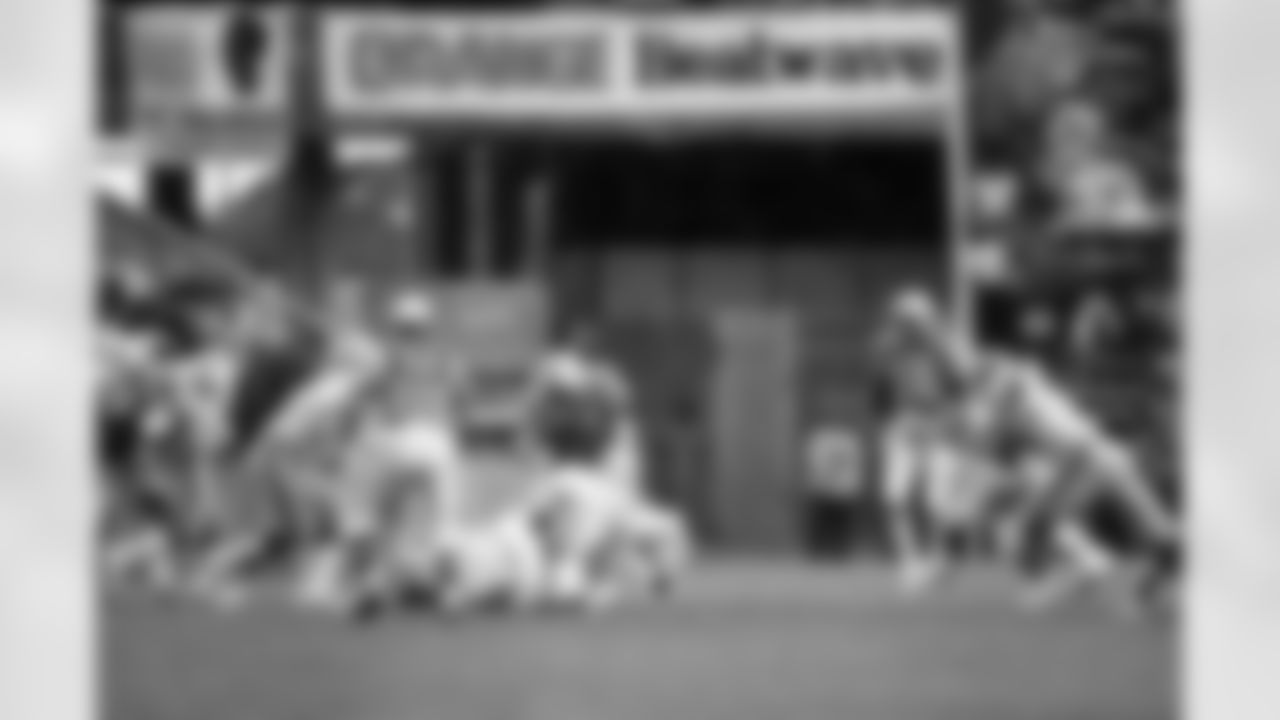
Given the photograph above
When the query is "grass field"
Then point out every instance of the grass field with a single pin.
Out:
(775, 643)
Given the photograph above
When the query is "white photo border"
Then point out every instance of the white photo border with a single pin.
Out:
(47, 629)
(1232, 638)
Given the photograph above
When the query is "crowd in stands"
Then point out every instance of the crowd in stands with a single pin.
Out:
(1076, 109)
(1076, 112)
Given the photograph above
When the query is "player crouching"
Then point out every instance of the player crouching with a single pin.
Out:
(1062, 461)
(1070, 468)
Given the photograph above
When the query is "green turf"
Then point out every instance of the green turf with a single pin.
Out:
(741, 642)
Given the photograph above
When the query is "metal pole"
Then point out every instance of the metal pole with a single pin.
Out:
(538, 221)
(428, 228)
(959, 180)
(480, 200)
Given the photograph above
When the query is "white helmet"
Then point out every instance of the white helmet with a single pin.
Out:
(914, 307)
(413, 310)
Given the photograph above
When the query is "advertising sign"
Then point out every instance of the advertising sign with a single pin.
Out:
(202, 71)
(828, 63)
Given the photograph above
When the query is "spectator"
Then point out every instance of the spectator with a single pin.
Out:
(1090, 184)
(1095, 328)
(996, 198)
(995, 203)
(1041, 56)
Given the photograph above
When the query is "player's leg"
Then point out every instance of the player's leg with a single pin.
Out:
(1090, 465)
(1081, 557)
(1121, 473)
(568, 572)
(426, 454)
(430, 556)
(204, 437)
(463, 572)
(602, 574)
(378, 559)
(494, 567)
(1154, 527)
(140, 555)
(950, 483)
(521, 575)
(245, 538)
(666, 553)
(1082, 561)
(218, 578)
(1064, 426)
(567, 522)
(136, 533)
(399, 501)
(341, 547)
(670, 547)
(1018, 519)
(980, 505)
(619, 566)
(904, 471)
(641, 552)
(1110, 475)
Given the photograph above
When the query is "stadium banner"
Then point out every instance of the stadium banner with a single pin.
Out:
(200, 73)
(826, 64)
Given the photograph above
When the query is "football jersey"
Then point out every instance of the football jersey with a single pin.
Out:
(910, 376)
(581, 409)
(1013, 407)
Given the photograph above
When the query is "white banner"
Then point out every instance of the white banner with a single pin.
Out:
(822, 64)
(208, 64)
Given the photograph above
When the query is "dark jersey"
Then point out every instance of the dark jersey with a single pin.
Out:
(272, 376)
(579, 422)
(907, 376)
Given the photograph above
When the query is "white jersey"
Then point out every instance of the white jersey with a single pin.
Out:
(498, 562)
(917, 381)
(125, 362)
(203, 386)
(574, 509)
(1014, 405)
(961, 485)
(602, 543)
(413, 461)
(1018, 417)
(332, 391)
(596, 395)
